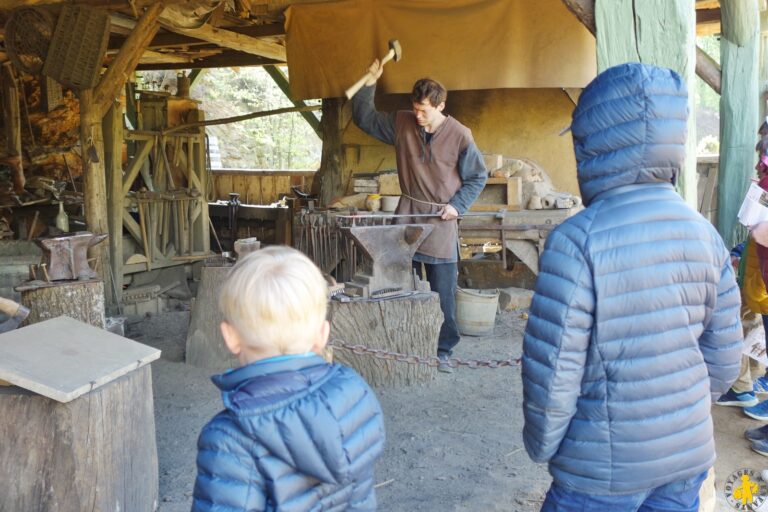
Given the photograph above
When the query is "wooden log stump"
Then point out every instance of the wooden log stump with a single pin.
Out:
(81, 300)
(205, 345)
(409, 325)
(96, 452)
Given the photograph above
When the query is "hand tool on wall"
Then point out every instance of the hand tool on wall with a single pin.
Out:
(395, 53)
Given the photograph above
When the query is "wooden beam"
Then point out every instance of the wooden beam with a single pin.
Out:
(584, 10)
(227, 59)
(170, 39)
(113, 81)
(94, 177)
(707, 4)
(112, 127)
(235, 41)
(707, 16)
(282, 82)
(331, 172)
(244, 117)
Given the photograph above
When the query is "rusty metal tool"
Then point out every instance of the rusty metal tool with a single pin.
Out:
(390, 250)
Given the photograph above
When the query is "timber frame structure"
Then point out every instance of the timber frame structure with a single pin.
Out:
(198, 34)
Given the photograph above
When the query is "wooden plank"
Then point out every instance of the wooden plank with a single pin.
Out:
(144, 148)
(283, 185)
(132, 227)
(263, 172)
(268, 191)
(80, 358)
(234, 41)
(253, 188)
(515, 193)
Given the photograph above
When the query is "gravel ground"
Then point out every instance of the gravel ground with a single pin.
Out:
(452, 444)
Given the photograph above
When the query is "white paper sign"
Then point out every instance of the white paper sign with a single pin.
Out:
(754, 345)
(754, 209)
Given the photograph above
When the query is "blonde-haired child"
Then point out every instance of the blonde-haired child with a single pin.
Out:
(296, 433)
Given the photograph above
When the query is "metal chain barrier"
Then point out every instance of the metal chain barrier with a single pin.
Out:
(453, 362)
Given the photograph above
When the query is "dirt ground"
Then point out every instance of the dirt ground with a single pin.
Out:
(453, 444)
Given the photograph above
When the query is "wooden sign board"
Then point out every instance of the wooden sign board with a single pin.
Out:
(63, 358)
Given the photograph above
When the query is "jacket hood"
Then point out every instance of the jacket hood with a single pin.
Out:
(268, 401)
(630, 127)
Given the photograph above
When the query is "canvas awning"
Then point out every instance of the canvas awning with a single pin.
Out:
(466, 44)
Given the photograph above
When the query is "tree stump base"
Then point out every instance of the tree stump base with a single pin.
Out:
(205, 345)
(409, 325)
(81, 300)
(96, 452)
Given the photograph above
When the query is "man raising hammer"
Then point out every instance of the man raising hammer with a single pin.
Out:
(440, 171)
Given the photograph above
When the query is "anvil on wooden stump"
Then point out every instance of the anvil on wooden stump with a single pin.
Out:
(391, 250)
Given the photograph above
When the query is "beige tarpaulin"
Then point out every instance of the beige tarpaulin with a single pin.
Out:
(466, 44)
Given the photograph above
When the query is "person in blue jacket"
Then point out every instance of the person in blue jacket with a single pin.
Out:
(296, 433)
(634, 327)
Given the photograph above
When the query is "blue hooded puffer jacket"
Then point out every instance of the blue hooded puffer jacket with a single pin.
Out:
(634, 324)
(296, 435)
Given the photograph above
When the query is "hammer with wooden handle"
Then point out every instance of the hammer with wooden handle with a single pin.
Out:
(395, 53)
(16, 314)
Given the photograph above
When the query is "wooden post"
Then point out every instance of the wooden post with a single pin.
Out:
(667, 39)
(81, 300)
(409, 325)
(739, 111)
(93, 105)
(706, 67)
(330, 173)
(94, 178)
(112, 127)
(12, 122)
(96, 452)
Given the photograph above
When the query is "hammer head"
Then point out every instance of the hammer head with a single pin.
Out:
(394, 45)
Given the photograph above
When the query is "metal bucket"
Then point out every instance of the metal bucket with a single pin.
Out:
(476, 311)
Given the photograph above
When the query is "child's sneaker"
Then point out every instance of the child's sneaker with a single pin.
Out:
(758, 412)
(734, 399)
(761, 384)
(760, 447)
(757, 434)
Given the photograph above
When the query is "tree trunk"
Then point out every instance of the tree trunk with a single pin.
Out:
(410, 326)
(81, 300)
(738, 111)
(95, 453)
(330, 174)
(661, 33)
(706, 67)
(205, 345)
(94, 177)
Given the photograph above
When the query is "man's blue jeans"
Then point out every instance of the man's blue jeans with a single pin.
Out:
(442, 279)
(678, 496)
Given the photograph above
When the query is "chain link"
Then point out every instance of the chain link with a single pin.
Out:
(453, 362)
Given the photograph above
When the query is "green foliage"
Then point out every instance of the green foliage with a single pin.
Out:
(275, 142)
